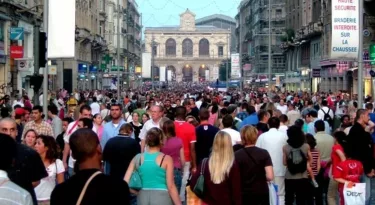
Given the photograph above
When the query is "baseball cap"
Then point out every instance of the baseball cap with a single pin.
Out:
(19, 111)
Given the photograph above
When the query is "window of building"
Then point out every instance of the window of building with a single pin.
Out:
(170, 47)
(204, 47)
(155, 50)
(221, 51)
(187, 47)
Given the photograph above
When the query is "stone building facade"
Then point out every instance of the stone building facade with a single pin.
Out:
(187, 52)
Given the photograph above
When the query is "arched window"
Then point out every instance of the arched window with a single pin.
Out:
(187, 47)
(170, 47)
(204, 47)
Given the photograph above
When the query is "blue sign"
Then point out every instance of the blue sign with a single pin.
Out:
(82, 68)
(93, 69)
(16, 33)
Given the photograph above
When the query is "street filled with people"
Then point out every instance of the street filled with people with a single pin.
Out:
(188, 144)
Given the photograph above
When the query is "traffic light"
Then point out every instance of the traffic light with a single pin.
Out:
(42, 49)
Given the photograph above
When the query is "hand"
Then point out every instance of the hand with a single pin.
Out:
(193, 170)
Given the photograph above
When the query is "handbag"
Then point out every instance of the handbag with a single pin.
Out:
(273, 193)
(199, 186)
(135, 181)
(354, 193)
(80, 198)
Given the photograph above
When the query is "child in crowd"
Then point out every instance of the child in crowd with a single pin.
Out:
(314, 168)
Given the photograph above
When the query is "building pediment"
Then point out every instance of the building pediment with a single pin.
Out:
(187, 21)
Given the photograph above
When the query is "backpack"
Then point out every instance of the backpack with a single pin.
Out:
(327, 117)
(296, 161)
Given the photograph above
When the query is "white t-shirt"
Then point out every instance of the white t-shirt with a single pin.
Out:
(282, 108)
(95, 108)
(234, 135)
(44, 189)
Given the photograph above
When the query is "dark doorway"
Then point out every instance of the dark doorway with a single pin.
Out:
(68, 80)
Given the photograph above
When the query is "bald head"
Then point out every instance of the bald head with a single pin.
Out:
(9, 127)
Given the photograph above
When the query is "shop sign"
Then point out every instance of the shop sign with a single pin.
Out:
(16, 52)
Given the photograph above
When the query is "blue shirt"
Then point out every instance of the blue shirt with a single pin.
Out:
(250, 120)
(311, 127)
(242, 115)
(110, 131)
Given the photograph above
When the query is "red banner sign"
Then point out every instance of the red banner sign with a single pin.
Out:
(16, 51)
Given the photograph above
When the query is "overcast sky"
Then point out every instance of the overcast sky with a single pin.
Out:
(166, 12)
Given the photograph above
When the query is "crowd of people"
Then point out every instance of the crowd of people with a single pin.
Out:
(185, 145)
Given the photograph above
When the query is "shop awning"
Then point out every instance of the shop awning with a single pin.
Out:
(5, 17)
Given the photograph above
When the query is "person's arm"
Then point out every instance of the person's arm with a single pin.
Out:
(170, 181)
(35, 183)
(269, 173)
(60, 178)
(193, 157)
(182, 156)
(284, 156)
(341, 155)
(65, 155)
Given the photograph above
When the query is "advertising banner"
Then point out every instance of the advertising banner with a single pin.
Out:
(235, 72)
(345, 33)
(93, 69)
(146, 65)
(16, 52)
(61, 28)
(16, 33)
(162, 74)
(52, 70)
(82, 68)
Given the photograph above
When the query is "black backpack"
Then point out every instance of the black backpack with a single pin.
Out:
(327, 117)
(296, 161)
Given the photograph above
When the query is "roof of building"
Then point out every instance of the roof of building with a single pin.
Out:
(215, 16)
(177, 28)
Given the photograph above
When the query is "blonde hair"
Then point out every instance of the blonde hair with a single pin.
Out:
(249, 135)
(222, 157)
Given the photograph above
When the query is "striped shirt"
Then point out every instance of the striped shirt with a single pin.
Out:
(314, 162)
(12, 194)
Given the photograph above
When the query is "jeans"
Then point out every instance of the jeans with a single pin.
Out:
(185, 178)
(178, 178)
(298, 189)
(370, 190)
(322, 190)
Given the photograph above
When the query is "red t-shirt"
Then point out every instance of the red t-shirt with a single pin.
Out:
(350, 170)
(186, 132)
(335, 157)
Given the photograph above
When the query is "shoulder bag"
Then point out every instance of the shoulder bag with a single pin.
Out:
(86, 186)
(199, 186)
(135, 181)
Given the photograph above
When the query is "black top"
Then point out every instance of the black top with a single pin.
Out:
(252, 161)
(361, 145)
(28, 168)
(170, 113)
(205, 135)
(118, 153)
(194, 112)
(137, 130)
(102, 189)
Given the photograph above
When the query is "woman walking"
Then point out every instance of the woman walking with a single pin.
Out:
(47, 149)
